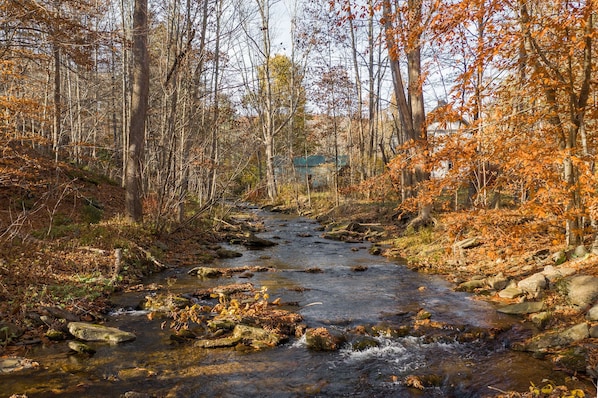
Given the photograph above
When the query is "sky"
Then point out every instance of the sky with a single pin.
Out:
(281, 13)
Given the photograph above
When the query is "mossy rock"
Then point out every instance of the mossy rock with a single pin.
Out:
(225, 253)
(321, 339)
(9, 332)
(55, 335)
(573, 359)
(364, 343)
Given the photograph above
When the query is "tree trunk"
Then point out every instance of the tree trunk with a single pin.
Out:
(411, 103)
(360, 129)
(268, 128)
(125, 82)
(270, 172)
(213, 176)
(57, 136)
(139, 103)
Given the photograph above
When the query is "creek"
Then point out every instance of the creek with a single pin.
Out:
(337, 298)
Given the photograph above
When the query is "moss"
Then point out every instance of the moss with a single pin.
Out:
(92, 214)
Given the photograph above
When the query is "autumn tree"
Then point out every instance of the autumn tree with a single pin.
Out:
(54, 32)
(564, 77)
(526, 83)
(405, 24)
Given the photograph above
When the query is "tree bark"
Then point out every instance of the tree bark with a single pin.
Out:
(57, 136)
(410, 102)
(139, 103)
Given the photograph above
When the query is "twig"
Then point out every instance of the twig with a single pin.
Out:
(497, 389)
(93, 249)
(151, 257)
(227, 224)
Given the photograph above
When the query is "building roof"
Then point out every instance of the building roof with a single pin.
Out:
(318, 160)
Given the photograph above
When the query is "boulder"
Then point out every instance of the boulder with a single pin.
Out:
(470, 286)
(559, 257)
(593, 313)
(582, 290)
(164, 303)
(320, 339)
(15, 364)
(249, 335)
(533, 284)
(93, 332)
(594, 332)
(80, 347)
(528, 307)
(422, 315)
(553, 273)
(580, 251)
(498, 282)
(364, 342)
(60, 313)
(573, 359)
(511, 292)
(222, 324)
(253, 242)
(558, 339)
(55, 335)
(375, 250)
(225, 253)
(541, 319)
(256, 335)
(205, 272)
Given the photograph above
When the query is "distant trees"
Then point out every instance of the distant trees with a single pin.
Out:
(273, 82)
(54, 35)
(520, 77)
(228, 102)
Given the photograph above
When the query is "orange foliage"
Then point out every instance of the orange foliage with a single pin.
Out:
(523, 88)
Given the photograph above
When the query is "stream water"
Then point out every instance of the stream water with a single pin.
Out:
(338, 298)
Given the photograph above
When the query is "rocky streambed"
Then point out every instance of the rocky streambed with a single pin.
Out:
(289, 313)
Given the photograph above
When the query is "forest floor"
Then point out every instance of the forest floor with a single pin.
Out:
(65, 244)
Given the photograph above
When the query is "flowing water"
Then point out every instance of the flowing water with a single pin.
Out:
(338, 298)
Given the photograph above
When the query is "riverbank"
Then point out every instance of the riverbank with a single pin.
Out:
(427, 250)
(510, 260)
(66, 250)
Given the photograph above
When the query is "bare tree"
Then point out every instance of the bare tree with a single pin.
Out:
(139, 104)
